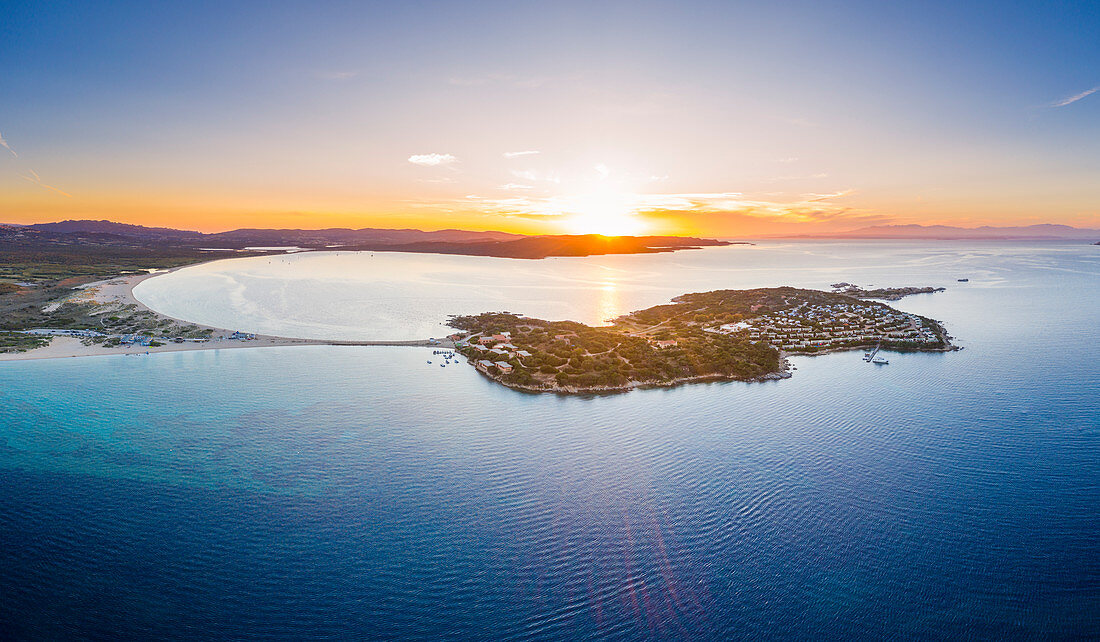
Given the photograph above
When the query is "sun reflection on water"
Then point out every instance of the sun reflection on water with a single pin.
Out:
(609, 304)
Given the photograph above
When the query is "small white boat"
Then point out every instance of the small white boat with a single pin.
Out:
(879, 360)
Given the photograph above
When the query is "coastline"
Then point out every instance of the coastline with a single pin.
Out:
(572, 358)
(70, 347)
(783, 373)
(119, 290)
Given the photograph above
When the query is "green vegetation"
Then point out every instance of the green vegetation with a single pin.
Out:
(888, 294)
(17, 342)
(88, 262)
(52, 272)
(724, 334)
(106, 318)
(564, 355)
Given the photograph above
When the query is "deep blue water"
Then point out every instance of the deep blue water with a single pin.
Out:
(358, 492)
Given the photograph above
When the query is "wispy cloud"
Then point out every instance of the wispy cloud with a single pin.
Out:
(1074, 98)
(432, 160)
(515, 186)
(809, 208)
(31, 176)
(814, 198)
(5, 145)
(528, 152)
(531, 175)
(37, 180)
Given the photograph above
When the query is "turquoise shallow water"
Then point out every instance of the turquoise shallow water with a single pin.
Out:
(340, 491)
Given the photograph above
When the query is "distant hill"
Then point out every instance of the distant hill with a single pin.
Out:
(242, 237)
(72, 235)
(110, 227)
(1045, 231)
(345, 236)
(537, 247)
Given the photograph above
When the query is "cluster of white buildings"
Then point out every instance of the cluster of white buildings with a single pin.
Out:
(829, 325)
(495, 348)
(123, 339)
(484, 365)
(501, 346)
(52, 332)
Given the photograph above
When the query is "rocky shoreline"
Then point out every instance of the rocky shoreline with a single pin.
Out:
(779, 375)
(632, 385)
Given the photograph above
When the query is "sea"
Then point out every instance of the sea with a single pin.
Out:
(360, 492)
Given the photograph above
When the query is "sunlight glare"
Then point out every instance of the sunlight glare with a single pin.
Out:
(603, 211)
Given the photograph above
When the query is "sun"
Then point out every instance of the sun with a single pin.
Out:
(602, 211)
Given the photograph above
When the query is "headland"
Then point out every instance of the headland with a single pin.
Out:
(731, 335)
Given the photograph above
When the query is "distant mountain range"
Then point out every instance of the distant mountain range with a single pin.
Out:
(255, 237)
(1045, 231)
(500, 244)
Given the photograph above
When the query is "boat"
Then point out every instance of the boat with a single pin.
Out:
(429, 363)
(879, 360)
(963, 280)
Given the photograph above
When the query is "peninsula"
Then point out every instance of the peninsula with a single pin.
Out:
(886, 294)
(738, 335)
(66, 287)
(78, 238)
(63, 319)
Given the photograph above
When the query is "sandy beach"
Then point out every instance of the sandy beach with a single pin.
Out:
(119, 291)
(62, 347)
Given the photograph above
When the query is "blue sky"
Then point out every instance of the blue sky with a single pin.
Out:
(716, 117)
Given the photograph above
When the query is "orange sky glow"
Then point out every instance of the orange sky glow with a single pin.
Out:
(548, 119)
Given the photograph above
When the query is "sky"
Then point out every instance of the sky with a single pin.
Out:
(706, 118)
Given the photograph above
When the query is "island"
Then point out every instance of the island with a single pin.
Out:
(886, 294)
(724, 335)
